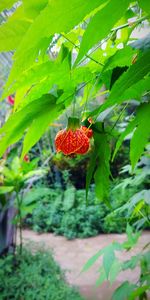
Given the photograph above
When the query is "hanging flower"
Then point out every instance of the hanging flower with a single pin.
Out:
(72, 140)
(10, 100)
(26, 158)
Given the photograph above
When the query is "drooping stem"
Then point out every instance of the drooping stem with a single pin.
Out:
(19, 200)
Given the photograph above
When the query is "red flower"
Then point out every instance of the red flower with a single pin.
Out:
(87, 131)
(26, 158)
(72, 140)
(10, 100)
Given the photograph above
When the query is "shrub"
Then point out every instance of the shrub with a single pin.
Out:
(33, 276)
(66, 213)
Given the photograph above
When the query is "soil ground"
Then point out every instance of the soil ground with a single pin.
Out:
(72, 255)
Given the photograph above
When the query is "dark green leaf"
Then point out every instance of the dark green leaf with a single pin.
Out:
(90, 170)
(125, 82)
(102, 172)
(144, 4)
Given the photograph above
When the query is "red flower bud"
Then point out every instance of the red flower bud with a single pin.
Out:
(10, 100)
(26, 158)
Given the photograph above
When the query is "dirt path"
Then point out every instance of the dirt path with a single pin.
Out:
(72, 255)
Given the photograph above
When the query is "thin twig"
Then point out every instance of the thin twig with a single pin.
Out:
(76, 46)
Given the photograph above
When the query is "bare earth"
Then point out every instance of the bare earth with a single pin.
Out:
(72, 255)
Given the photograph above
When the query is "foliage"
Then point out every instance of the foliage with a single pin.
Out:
(14, 177)
(46, 84)
(67, 213)
(112, 266)
(33, 276)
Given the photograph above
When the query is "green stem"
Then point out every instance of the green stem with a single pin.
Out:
(86, 55)
(19, 200)
(136, 22)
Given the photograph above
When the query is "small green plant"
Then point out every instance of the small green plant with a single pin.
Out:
(112, 266)
(14, 178)
(33, 276)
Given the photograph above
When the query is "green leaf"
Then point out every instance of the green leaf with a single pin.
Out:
(144, 4)
(90, 170)
(92, 261)
(6, 189)
(12, 32)
(101, 24)
(33, 195)
(102, 172)
(69, 198)
(139, 291)
(108, 259)
(132, 263)
(58, 16)
(135, 73)
(41, 122)
(14, 128)
(122, 57)
(5, 4)
(132, 238)
(115, 270)
(32, 8)
(102, 277)
(140, 135)
(126, 81)
(123, 291)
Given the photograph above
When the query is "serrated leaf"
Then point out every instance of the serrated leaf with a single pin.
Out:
(122, 57)
(135, 73)
(126, 81)
(58, 16)
(99, 28)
